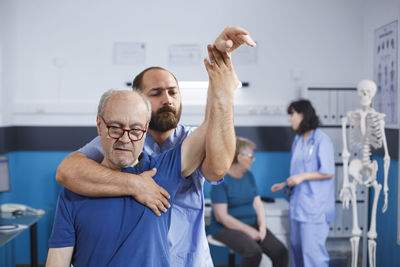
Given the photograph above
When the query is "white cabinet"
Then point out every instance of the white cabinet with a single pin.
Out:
(331, 104)
(336, 136)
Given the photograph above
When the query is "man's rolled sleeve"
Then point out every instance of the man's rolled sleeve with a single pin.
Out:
(93, 150)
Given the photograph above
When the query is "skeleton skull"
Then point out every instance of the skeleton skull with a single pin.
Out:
(366, 90)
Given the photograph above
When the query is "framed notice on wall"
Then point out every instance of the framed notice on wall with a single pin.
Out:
(385, 72)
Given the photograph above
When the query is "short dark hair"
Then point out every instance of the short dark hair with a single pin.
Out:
(310, 119)
(138, 80)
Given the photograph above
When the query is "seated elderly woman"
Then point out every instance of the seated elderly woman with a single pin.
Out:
(238, 218)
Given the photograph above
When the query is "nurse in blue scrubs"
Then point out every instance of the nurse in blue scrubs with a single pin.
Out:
(312, 200)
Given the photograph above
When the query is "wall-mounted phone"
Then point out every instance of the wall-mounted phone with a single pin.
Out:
(20, 208)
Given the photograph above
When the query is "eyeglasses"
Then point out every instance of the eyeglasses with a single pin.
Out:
(249, 155)
(114, 132)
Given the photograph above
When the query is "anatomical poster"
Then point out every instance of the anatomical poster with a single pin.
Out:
(385, 72)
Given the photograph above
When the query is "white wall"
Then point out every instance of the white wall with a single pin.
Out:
(8, 69)
(2, 22)
(321, 42)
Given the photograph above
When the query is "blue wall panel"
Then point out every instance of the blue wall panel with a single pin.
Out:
(32, 177)
(387, 251)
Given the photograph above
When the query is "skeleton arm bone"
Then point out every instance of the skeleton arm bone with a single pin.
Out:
(345, 193)
(386, 164)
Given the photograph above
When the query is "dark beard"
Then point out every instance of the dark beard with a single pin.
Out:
(164, 122)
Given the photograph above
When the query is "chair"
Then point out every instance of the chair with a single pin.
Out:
(231, 257)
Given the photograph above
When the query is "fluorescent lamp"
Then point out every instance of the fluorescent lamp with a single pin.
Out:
(196, 85)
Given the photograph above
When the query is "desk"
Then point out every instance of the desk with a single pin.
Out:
(29, 220)
(277, 219)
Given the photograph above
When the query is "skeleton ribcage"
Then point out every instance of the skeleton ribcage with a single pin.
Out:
(372, 137)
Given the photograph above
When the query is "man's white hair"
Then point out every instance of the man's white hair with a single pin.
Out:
(108, 94)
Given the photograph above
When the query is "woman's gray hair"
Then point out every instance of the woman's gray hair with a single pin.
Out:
(242, 144)
(108, 94)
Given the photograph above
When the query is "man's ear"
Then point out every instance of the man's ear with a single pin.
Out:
(98, 123)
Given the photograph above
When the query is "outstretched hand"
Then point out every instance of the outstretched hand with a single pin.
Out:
(220, 70)
(277, 187)
(151, 194)
(231, 38)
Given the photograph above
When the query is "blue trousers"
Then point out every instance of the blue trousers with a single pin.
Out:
(307, 242)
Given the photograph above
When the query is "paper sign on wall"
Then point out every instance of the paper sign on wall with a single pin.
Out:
(185, 54)
(129, 53)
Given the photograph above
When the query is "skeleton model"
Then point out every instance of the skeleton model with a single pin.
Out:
(367, 129)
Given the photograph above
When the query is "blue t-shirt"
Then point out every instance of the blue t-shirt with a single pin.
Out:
(118, 231)
(313, 200)
(239, 194)
(186, 236)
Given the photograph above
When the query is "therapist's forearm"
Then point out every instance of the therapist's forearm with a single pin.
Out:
(86, 177)
(220, 138)
(315, 176)
(301, 177)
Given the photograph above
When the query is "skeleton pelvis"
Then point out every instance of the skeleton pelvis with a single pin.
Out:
(358, 170)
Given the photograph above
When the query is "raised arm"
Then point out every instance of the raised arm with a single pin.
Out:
(214, 141)
(84, 176)
(59, 257)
